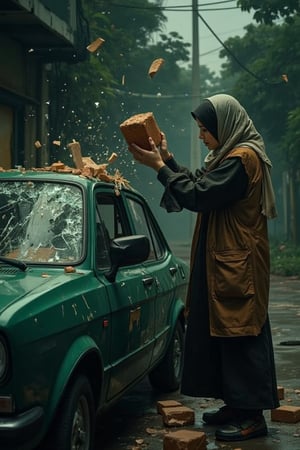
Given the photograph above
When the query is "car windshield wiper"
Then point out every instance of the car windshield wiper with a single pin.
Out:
(14, 262)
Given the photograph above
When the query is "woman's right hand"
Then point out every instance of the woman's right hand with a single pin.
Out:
(151, 158)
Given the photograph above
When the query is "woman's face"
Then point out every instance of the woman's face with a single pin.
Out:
(208, 139)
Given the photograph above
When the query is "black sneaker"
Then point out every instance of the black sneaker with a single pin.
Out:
(243, 430)
(219, 417)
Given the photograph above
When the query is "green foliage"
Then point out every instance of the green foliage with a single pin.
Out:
(285, 259)
(291, 138)
(266, 53)
(268, 11)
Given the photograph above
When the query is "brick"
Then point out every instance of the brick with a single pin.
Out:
(287, 414)
(76, 154)
(166, 404)
(185, 440)
(280, 392)
(178, 416)
(138, 128)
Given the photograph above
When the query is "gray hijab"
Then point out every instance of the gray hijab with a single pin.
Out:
(236, 129)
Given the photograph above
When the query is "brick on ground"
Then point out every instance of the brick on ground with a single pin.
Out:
(280, 392)
(285, 413)
(178, 416)
(167, 404)
(185, 440)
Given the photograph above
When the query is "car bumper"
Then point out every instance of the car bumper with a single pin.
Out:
(21, 428)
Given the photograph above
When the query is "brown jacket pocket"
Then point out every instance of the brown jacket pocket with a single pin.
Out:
(233, 277)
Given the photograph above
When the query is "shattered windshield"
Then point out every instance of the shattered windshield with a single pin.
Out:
(41, 222)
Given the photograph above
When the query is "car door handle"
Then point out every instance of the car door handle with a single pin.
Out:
(148, 281)
(173, 270)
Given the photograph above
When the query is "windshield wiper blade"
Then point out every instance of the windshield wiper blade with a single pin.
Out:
(14, 262)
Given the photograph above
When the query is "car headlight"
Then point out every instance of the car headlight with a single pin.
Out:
(3, 359)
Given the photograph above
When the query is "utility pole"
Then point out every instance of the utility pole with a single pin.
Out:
(195, 151)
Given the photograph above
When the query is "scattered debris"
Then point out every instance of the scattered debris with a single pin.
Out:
(95, 45)
(69, 269)
(37, 144)
(156, 431)
(155, 66)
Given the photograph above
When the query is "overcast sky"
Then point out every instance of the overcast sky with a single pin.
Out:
(224, 23)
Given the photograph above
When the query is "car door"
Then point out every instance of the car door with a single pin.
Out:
(132, 299)
(162, 270)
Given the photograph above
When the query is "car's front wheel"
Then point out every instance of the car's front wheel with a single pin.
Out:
(74, 424)
(166, 376)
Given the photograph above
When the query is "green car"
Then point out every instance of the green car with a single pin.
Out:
(91, 301)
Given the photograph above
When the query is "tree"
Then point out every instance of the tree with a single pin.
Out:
(268, 11)
(261, 58)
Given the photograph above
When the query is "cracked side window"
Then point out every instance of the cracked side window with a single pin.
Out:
(41, 222)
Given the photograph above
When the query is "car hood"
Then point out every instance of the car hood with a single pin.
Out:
(15, 285)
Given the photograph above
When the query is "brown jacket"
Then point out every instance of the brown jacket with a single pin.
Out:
(237, 257)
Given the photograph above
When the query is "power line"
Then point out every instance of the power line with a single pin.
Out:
(178, 8)
(188, 8)
(257, 77)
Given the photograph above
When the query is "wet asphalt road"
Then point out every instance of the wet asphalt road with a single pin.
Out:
(133, 423)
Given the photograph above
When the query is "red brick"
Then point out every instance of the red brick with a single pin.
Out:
(178, 416)
(280, 392)
(167, 404)
(185, 440)
(138, 128)
(287, 414)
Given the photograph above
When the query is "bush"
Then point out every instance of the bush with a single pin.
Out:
(285, 259)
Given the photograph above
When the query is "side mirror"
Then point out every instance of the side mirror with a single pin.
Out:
(127, 251)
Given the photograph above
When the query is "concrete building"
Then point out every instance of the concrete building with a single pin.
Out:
(34, 34)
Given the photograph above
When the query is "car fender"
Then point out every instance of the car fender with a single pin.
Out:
(80, 348)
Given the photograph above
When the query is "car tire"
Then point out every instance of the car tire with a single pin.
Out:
(74, 424)
(166, 376)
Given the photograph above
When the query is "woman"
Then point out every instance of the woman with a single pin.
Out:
(228, 349)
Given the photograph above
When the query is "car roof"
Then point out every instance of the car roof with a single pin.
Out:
(64, 176)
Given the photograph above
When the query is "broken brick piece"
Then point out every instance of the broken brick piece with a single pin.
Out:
(287, 414)
(76, 154)
(185, 440)
(167, 404)
(178, 416)
(280, 392)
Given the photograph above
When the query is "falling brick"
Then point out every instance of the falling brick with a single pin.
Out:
(37, 144)
(95, 45)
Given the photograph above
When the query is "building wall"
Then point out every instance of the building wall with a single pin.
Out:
(23, 106)
(34, 34)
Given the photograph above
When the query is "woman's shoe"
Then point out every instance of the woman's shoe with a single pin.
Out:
(219, 417)
(242, 430)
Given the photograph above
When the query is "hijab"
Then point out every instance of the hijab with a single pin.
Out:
(229, 123)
